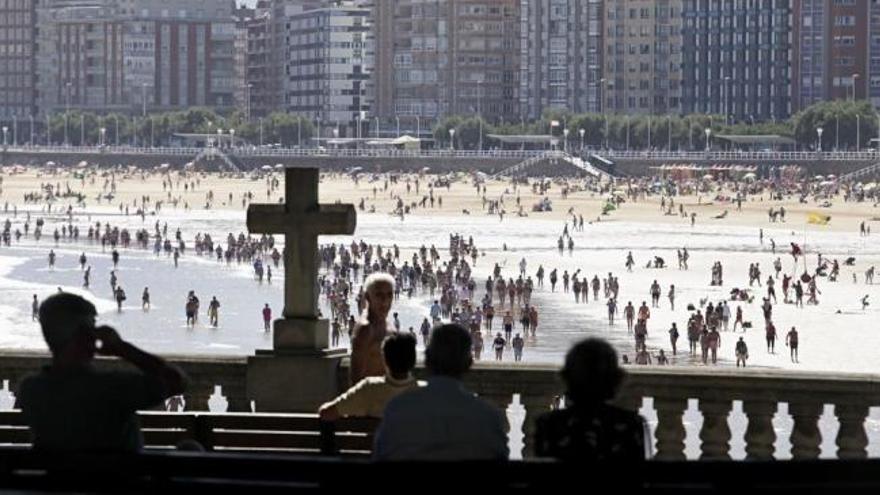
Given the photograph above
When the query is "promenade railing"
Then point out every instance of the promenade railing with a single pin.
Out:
(266, 152)
(668, 390)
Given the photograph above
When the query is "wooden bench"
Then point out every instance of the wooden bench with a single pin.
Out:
(232, 432)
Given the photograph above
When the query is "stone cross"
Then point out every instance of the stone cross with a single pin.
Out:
(301, 220)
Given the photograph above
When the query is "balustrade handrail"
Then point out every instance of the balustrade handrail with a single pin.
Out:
(670, 388)
(249, 151)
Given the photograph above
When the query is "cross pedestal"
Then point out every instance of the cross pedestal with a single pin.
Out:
(300, 372)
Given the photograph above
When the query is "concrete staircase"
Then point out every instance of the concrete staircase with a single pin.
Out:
(579, 163)
(209, 156)
(861, 173)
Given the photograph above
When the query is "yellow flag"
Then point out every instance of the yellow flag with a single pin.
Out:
(818, 218)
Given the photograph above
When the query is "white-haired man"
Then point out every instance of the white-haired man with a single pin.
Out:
(366, 342)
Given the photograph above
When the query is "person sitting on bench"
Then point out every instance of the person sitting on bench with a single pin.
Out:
(369, 396)
(71, 405)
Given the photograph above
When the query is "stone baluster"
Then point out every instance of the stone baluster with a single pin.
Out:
(760, 435)
(805, 435)
(535, 405)
(670, 431)
(197, 396)
(715, 433)
(851, 437)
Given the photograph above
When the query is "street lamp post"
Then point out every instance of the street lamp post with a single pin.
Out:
(452, 139)
(32, 130)
(377, 127)
(66, 111)
(48, 131)
(565, 136)
(480, 111)
(103, 135)
(144, 96)
(627, 133)
(152, 132)
(582, 132)
(819, 131)
(708, 132)
(398, 125)
(727, 100)
(5, 131)
(854, 78)
(668, 133)
(116, 121)
(82, 129)
(14, 130)
(261, 131)
(232, 138)
(858, 132)
(247, 98)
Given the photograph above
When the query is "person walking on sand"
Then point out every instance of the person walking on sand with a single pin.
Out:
(791, 341)
(742, 353)
(267, 317)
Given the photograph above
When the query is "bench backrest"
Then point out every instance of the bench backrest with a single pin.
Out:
(231, 432)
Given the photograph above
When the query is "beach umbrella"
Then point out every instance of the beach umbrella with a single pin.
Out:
(50, 163)
(166, 165)
(82, 164)
(425, 169)
(831, 176)
(266, 167)
(750, 175)
(708, 177)
(279, 165)
(819, 177)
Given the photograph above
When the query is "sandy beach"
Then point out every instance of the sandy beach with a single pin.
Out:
(461, 196)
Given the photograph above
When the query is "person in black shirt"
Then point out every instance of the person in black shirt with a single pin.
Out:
(589, 429)
(71, 405)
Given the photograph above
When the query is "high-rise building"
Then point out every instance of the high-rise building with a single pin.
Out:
(329, 62)
(561, 53)
(242, 15)
(736, 57)
(442, 57)
(833, 50)
(17, 30)
(262, 76)
(642, 59)
(134, 55)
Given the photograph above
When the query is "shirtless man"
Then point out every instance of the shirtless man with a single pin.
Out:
(366, 342)
(791, 341)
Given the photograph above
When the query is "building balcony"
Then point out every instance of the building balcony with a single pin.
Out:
(749, 402)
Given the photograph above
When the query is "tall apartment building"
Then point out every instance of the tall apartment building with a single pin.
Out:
(17, 31)
(329, 62)
(561, 52)
(438, 57)
(242, 16)
(736, 57)
(262, 75)
(642, 59)
(134, 55)
(833, 50)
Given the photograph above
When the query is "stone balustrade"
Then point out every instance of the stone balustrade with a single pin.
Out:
(205, 374)
(668, 390)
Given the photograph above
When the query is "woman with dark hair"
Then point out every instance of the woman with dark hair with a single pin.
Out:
(589, 429)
